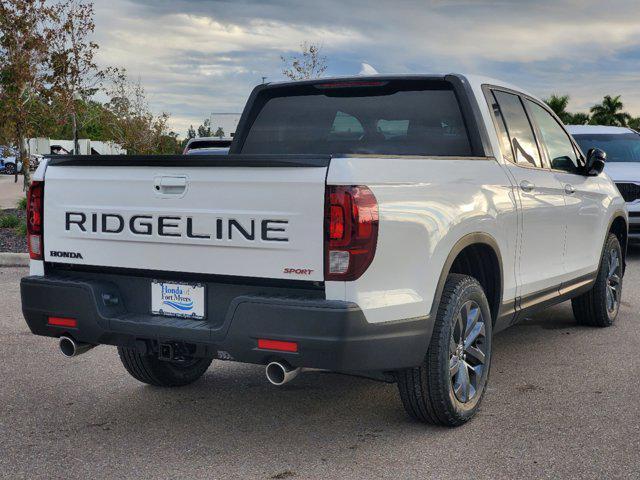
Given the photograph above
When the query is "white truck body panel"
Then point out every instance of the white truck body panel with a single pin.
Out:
(400, 283)
(250, 196)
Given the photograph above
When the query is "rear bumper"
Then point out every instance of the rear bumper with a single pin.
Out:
(331, 335)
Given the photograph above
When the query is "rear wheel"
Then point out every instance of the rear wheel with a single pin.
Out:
(599, 306)
(149, 369)
(10, 168)
(448, 387)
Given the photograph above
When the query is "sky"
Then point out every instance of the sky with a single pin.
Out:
(195, 57)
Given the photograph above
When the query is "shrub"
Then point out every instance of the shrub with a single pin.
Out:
(9, 221)
(22, 203)
(22, 228)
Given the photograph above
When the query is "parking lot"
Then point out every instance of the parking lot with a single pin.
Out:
(10, 191)
(562, 403)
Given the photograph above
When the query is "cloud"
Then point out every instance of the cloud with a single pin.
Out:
(198, 56)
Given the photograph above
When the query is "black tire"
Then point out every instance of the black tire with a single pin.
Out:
(595, 308)
(430, 392)
(10, 168)
(149, 369)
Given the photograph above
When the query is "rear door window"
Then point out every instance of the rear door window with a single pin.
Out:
(387, 118)
(524, 149)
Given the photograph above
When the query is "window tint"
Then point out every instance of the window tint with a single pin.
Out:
(519, 129)
(345, 127)
(393, 128)
(395, 118)
(501, 130)
(560, 151)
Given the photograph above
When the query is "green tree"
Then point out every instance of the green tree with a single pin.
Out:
(634, 123)
(169, 144)
(610, 112)
(46, 60)
(74, 76)
(26, 32)
(131, 122)
(219, 133)
(191, 133)
(204, 130)
(578, 119)
(559, 104)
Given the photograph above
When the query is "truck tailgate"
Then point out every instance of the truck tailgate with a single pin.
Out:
(241, 220)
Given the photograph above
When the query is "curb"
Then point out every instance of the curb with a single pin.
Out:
(14, 259)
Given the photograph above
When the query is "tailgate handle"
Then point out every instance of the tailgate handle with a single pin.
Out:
(170, 185)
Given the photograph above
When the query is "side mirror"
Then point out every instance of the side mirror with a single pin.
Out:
(596, 159)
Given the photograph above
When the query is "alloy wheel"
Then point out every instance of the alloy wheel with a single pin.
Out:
(467, 352)
(614, 283)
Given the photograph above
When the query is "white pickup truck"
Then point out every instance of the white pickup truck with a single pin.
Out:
(385, 226)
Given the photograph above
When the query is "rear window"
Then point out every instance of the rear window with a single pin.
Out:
(389, 118)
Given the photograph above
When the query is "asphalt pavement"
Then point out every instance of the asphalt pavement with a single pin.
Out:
(10, 191)
(563, 402)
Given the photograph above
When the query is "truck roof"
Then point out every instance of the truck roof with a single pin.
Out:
(472, 79)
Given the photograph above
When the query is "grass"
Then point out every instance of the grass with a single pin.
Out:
(21, 229)
(22, 203)
(9, 221)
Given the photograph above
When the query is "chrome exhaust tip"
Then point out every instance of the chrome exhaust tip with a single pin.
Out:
(70, 348)
(280, 373)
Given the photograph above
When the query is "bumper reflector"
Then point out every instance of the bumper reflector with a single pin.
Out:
(281, 346)
(62, 322)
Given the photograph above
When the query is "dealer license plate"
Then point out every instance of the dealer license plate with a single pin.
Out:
(177, 299)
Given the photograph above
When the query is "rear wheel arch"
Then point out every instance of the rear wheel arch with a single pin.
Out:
(477, 255)
(619, 227)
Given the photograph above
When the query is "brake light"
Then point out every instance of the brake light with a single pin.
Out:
(35, 211)
(352, 231)
(354, 84)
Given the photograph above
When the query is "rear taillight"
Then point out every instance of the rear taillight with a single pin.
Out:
(35, 210)
(351, 218)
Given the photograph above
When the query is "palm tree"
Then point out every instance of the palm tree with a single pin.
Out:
(559, 103)
(634, 123)
(578, 118)
(609, 112)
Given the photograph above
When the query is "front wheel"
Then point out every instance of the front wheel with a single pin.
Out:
(448, 387)
(160, 373)
(599, 306)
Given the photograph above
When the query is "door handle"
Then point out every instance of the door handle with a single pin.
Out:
(527, 186)
(170, 185)
(569, 189)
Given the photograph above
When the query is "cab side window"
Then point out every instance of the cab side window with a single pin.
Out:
(560, 151)
(519, 131)
(501, 129)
